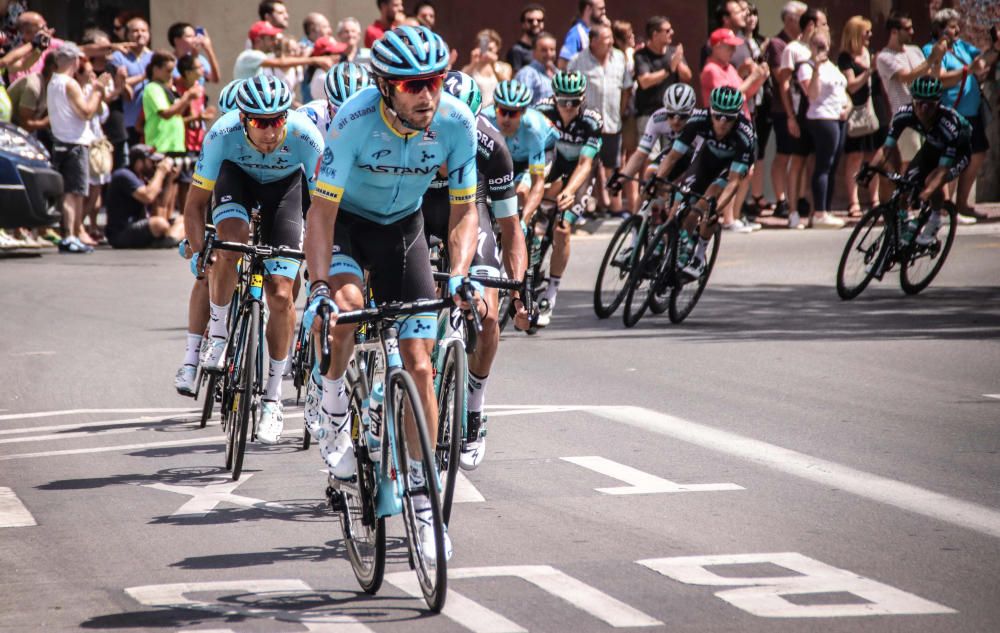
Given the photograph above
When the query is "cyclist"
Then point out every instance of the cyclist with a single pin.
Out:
(401, 132)
(259, 154)
(341, 83)
(495, 198)
(573, 170)
(945, 153)
(727, 145)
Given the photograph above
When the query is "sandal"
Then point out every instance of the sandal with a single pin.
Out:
(762, 206)
(854, 211)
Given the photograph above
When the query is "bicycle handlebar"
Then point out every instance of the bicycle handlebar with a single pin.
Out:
(485, 280)
(256, 250)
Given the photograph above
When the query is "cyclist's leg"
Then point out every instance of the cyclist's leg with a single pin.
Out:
(486, 261)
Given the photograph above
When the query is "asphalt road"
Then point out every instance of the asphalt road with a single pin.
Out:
(782, 461)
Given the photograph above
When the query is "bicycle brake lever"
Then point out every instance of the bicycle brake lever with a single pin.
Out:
(325, 356)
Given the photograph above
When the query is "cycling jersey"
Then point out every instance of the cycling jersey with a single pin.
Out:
(658, 128)
(736, 151)
(527, 146)
(389, 172)
(950, 136)
(580, 137)
(318, 111)
(227, 141)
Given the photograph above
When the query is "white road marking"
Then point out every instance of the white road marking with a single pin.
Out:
(465, 491)
(205, 498)
(12, 511)
(46, 414)
(66, 436)
(640, 483)
(82, 425)
(766, 596)
(882, 489)
(995, 396)
(500, 412)
(45, 352)
(207, 441)
(458, 607)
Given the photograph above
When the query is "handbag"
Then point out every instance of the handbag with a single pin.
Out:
(101, 157)
(862, 120)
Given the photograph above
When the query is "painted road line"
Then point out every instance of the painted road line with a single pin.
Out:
(465, 491)
(531, 410)
(85, 425)
(205, 441)
(47, 414)
(12, 511)
(66, 436)
(457, 607)
(877, 488)
(640, 483)
(995, 396)
(205, 498)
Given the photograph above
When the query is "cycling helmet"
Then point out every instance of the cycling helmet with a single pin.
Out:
(679, 99)
(465, 89)
(926, 88)
(407, 52)
(566, 84)
(227, 98)
(512, 94)
(726, 100)
(344, 80)
(264, 94)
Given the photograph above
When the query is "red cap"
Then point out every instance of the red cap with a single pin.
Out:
(724, 36)
(262, 28)
(326, 45)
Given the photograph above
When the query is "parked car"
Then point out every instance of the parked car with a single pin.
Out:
(30, 190)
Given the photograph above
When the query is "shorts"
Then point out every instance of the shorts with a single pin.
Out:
(280, 202)
(73, 162)
(136, 235)
(562, 169)
(909, 144)
(866, 143)
(979, 141)
(611, 150)
(927, 160)
(398, 260)
(704, 171)
(786, 143)
(486, 260)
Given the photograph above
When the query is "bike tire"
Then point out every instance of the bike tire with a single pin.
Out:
(209, 390)
(682, 298)
(606, 301)
(913, 282)
(872, 244)
(452, 410)
(503, 309)
(433, 578)
(230, 385)
(659, 290)
(246, 387)
(309, 358)
(641, 278)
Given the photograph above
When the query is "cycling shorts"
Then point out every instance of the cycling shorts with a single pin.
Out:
(281, 203)
(704, 171)
(486, 260)
(927, 159)
(398, 260)
(563, 169)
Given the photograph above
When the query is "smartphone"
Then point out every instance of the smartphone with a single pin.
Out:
(484, 45)
(199, 31)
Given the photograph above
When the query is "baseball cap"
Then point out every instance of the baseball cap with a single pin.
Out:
(326, 45)
(68, 50)
(262, 28)
(724, 36)
(143, 151)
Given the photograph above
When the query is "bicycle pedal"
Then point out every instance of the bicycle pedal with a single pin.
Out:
(335, 498)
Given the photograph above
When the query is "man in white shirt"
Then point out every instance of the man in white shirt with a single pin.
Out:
(263, 40)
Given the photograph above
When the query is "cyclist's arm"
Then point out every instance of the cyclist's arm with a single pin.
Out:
(636, 163)
(534, 197)
(463, 222)
(318, 242)
(194, 216)
(667, 165)
(499, 176)
(898, 125)
(732, 184)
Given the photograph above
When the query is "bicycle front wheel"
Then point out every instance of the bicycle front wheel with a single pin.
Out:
(612, 277)
(406, 407)
(452, 394)
(247, 362)
(684, 296)
(922, 262)
(642, 277)
(863, 255)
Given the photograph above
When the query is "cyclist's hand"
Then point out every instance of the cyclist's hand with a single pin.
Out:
(565, 199)
(319, 300)
(864, 175)
(184, 249)
(522, 320)
(459, 286)
(615, 182)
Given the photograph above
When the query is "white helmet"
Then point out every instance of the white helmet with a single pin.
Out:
(679, 98)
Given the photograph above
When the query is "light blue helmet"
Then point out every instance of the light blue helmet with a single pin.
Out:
(409, 51)
(264, 94)
(344, 80)
(227, 98)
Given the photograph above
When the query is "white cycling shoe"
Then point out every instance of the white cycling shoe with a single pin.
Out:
(474, 450)
(425, 535)
(272, 422)
(214, 355)
(336, 448)
(311, 410)
(184, 380)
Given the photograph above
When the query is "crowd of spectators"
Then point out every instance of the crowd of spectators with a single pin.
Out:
(124, 120)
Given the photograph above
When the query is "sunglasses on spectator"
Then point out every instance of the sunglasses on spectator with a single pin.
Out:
(678, 115)
(569, 103)
(510, 114)
(416, 86)
(666, 29)
(724, 118)
(263, 123)
(534, 20)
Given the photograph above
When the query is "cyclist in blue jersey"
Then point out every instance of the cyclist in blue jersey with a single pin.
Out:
(342, 81)
(387, 143)
(259, 155)
(529, 135)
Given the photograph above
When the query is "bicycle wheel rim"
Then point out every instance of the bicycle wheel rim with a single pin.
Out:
(684, 296)
(231, 386)
(863, 250)
(433, 578)
(612, 278)
(246, 388)
(641, 279)
(209, 394)
(659, 292)
(921, 264)
(452, 395)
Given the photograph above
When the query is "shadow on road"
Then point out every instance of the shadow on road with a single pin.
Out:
(396, 552)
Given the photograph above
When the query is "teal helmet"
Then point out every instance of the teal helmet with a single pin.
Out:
(227, 98)
(409, 52)
(512, 94)
(343, 80)
(264, 94)
(726, 100)
(566, 84)
(465, 89)
(926, 88)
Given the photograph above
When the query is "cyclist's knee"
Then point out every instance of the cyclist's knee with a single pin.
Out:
(417, 360)
(279, 293)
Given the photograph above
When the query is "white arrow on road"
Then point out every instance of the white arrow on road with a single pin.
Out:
(640, 483)
(205, 498)
(12, 511)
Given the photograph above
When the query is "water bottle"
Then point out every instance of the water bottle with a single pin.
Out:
(570, 217)
(684, 250)
(909, 230)
(373, 428)
(536, 246)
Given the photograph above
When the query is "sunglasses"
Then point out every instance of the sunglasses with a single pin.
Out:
(724, 118)
(510, 114)
(262, 123)
(678, 116)
(534, 20)
(416, 86)
(925, 104)
(568, 103)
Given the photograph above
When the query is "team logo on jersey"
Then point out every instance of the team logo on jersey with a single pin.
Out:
(424, 156)
(226, 198)
(382, 153)
(327, 157)
(429, 135)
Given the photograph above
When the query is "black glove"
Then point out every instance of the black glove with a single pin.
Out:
(615, 182)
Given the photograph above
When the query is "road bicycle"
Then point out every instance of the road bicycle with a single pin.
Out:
(886, 236)
(538, 241)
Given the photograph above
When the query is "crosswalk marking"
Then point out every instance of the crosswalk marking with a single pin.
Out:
(465, 491)
(640, 483)
(12, 511)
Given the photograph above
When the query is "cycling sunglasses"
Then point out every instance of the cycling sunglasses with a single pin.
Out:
(263, 123)
(416, 86)
(678, 115)
(569, 103)
(723, 117)
(925, 104)
(509, 113)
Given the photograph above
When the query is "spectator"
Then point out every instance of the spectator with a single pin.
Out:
(387, 16)
(36, 42)
(315, 26)
(274, 12)
(785, 143)
(732, 15)
(609, 86)
(185, 41)
(133, 190)
(134, 61)
(114, 125)
(349, 32)
(538, 74)
(826, 118)
(485, 66)
(316, 75)
(69, 112)
(624, 40)
(264, 40)
(591, 13)
(196, 118)
(962, 67)
(532, 26)
(100, 151)
(28, 107)
(760, 105)
(425, 14)
(657, 66)
(855, 61)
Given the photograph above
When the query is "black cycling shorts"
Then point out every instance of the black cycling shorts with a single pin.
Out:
(927, 160)
(563, 169)
(704, 170)
(486, 260)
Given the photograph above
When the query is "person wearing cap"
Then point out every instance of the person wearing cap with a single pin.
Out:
(323, 47)
(132, 193)
(263, 41)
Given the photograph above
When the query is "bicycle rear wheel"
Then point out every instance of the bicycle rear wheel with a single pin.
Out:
(245, 384)
(684, 296)
(612, 277)
(863, 254)
(920, 264)
(452, 395)
(212, 382)
(642, 276)
(405, 404)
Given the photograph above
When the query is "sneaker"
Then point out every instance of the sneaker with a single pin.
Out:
(314, 396)
(965, 219)
(781, 209)
(737, 227)
(272, 422)
(184, 380)
(754, 226)
(826, 220)
(214, 355)
(74, 245)
(795, 221)
(336, 448)
(694, 268)
(929, 234)
(544, 313)
(474, 449)
(51, 235)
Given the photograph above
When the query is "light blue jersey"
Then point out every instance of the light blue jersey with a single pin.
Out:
(375, 172)
(527, 146)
